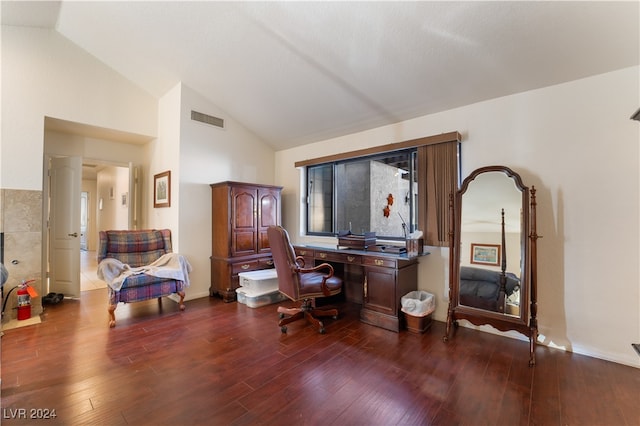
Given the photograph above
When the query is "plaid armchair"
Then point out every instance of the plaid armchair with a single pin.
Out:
(138, 248)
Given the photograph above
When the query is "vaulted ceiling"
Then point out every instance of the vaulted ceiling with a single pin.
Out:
(300, 72)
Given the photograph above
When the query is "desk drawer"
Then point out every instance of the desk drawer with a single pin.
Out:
(379, 261)
(249, 265)
(304, 252)
(252, 265)
(266, 263)
(328, 256)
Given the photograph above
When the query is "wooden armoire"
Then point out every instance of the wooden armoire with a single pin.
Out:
(241, 213)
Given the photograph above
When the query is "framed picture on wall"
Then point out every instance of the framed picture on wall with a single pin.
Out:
(162, 189)
(485, 254)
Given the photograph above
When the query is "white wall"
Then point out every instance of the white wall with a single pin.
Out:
(43, 74)
(576, 144)
(163, 155)
(208, 155)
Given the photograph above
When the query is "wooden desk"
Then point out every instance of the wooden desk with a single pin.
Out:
(375, 280)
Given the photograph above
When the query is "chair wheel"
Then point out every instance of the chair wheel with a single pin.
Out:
(322, 330)
(283, 328)
(280, 315)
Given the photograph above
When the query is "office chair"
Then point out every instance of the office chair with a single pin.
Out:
(301, 284)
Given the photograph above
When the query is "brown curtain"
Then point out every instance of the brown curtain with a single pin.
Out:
(437, 178)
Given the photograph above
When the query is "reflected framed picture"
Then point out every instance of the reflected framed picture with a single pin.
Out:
(162, 189)
(485, 254)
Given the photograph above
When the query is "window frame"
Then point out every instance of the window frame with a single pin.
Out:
(307, 198)
(411, 154)
(433, 221)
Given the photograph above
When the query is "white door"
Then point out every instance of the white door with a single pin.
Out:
(65, 176)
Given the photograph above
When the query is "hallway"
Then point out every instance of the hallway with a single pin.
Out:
(88, 272)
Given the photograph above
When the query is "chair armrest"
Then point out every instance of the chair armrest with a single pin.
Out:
(325, 289)
(318, 268)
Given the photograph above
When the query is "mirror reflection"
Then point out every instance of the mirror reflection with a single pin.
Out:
(491, 242)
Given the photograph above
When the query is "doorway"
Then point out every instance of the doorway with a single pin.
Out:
(103, 202)
(106, 189)
(112, 203)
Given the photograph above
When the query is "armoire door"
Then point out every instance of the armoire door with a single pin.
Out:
(268, 215)
(244, 221)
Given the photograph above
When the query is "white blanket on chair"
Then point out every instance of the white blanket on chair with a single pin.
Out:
(170, 265)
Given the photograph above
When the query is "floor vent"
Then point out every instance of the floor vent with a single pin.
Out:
(207, 119)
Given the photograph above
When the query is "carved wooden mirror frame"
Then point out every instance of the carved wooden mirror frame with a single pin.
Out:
(525, 321)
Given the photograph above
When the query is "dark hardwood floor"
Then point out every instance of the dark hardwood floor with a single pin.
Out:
(226, 364)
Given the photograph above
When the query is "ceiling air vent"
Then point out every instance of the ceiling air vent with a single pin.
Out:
(207, 119)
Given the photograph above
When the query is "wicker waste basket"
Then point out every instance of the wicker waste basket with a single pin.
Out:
(417, 307)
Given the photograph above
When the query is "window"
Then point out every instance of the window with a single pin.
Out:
(391, 190)
(320, 199)
(375, 193)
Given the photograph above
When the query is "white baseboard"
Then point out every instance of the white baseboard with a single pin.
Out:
(632, 360)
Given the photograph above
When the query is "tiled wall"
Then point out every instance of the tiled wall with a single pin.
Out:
(21, 225)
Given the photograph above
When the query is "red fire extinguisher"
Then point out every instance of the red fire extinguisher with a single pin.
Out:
(25, 291)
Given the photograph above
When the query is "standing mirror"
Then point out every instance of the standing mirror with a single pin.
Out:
(493, 254)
